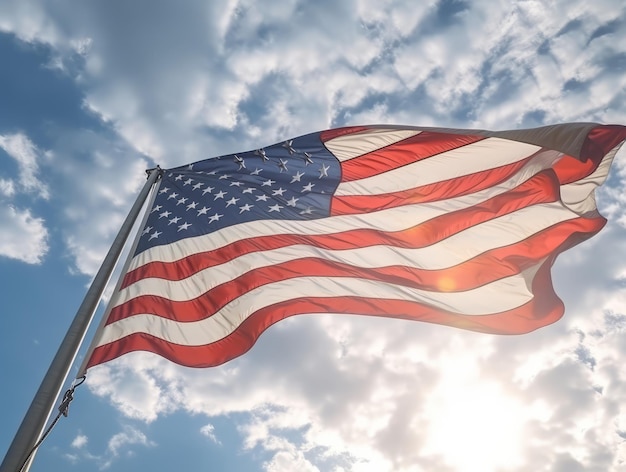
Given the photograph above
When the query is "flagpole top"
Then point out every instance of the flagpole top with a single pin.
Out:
(154, 169)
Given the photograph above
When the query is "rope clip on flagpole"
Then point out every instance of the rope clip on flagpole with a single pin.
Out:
(154, 169)
(68, 396)
(64, 408)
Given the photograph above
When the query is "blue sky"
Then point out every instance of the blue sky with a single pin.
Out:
(93, 93)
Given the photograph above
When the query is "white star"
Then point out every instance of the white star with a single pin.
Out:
(192, 206)
(262, 198)
(213, 172)
(156, 208)
(187, 182)
(246, 207)
(215, 217)
(179, 177)
(280, 192)
(225, 176)
(155, 235)
(197, 186)
(261, 152)
(292, 202)
(190, 166)
(324, 171)
(181, 201)
(174, 220)
(308, 187)
(276, 207)
(248, 190)
(219, 194)
(240, 161)
(172, 195)
(308, 211)
(184, 226)
(288, 147)
(147, 230)
(232, 201)
(297, 177)
(203, 211)
(256, 171)
(165, 214)
(164, 190)
(307, 158)
(236, 184)
(282, 164)
(207, 190)
(268, 182)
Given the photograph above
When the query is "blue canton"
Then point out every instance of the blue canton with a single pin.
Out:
(294, 180)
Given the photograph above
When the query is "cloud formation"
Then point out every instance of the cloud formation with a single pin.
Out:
(25, 153)
(79, 441)
(24, 237)
(208, 430)
(119, 443)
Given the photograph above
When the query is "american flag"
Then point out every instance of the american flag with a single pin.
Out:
(446, 226)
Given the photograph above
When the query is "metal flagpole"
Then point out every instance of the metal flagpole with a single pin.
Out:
(82, 370)
(43, 403)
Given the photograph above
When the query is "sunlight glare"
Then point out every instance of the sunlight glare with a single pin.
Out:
(475, 428)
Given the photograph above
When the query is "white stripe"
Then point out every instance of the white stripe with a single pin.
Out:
(356, 144)
(476, 157)
(461, 247)
(392, 219)
(579, 196)
(501, 295)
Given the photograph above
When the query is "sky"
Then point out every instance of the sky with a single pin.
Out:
(94, 93)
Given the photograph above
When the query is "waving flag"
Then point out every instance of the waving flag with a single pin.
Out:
(446, 226)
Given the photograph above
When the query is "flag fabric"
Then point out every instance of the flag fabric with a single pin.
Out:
(446, 226)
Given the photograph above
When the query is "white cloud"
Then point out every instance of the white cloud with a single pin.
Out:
(28, 21)
(73, 458)
(143, 400)
(23, 237)
(7, 187)
(22, 149)
(289, 461)
(208, 430)
(128, 437)
(234, 54)
(101, 178)
(79, 441)
(119, 444)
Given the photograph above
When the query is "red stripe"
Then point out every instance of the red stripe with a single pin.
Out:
(569, 169)
(598, 143)
(545, 308)
(541, 188)
(407, 151)
(485, 268)
(601, 140)
(335, 133)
